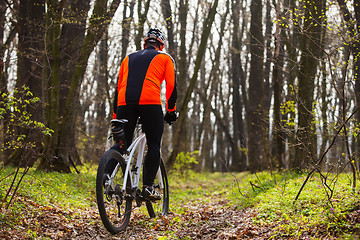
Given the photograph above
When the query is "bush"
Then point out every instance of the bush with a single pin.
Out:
(14, 115)
(16, 127)
(184, 164)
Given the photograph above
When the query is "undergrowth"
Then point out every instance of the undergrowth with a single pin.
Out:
(326, 211)
(52, 188)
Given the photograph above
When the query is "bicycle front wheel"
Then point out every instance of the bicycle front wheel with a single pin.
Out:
(160, 207)
(114, 207)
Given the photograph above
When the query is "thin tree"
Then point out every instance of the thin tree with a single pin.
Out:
(278, 82)
(254, 113)
(239, 160)
(142, 12)
(212, 83)
(352, 23)
(126, 26)
(310, 46)
(169, 19)
(207, 25)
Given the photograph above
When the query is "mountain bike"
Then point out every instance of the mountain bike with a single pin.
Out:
(118, 193)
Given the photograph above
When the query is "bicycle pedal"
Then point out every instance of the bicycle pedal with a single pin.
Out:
(143, 198)
(138, 198)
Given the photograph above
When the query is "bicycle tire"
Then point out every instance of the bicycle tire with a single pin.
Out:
(114, 217)
(158, 207)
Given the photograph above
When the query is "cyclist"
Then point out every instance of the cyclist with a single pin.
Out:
(138, 95)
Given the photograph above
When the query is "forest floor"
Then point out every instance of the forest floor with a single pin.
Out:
(202, 206)
(210, 218)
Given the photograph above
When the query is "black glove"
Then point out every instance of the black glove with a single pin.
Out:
(170, 117)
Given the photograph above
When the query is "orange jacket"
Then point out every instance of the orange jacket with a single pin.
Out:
(140, 77)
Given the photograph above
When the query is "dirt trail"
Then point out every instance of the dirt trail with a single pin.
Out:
(206, 219)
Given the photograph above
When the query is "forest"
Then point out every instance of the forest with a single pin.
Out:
(263, 85)
(269, 89)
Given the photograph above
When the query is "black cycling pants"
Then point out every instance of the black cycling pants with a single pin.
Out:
(152, 119)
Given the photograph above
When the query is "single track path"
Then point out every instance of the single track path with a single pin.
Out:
(208, 218)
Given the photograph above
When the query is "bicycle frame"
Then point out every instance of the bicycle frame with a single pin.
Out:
(139, 143)
(134, 180)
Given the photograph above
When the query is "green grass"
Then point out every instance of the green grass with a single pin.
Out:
(51, 188)
(314, 212)
(271, 194)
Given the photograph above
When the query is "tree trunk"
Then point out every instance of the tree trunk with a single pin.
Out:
(213, 81)
(254, 114)
(267, 86)
(182, 63)
(2, 45)
(291, 42)
(310, 45)
(167, 13)
(278, 136)
(99, 127)
(182, 80)
(220, 151)
(353, 26)
(198, 126)
(30, 45)
(356, 69)
(142, 18)
(72, 38)
(184, 106)
(126, 25)
(3, 81)
(60, 155)
(239, 161)
(51, 82)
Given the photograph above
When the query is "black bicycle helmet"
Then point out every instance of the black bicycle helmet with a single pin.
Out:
(155, 35)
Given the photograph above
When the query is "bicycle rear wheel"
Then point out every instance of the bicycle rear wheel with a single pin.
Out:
(160, 207)
(114, 208)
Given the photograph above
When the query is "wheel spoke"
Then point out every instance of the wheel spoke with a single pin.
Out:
(160, 207)
(114, 208)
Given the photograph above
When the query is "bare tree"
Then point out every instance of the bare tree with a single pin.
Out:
(207, 130)
(30, 24)
(142, 12)
(352, 22)
(239, 160)
(254, 113)
(169, 18)
(207, 25)
(278, 137)
(126, 26)
(310, 46)
(59, 154)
